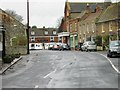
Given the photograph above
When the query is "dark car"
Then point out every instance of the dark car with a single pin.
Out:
(65, 46)
(114, 48)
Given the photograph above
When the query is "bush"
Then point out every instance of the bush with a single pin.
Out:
(17, 55)
(98, 40)
(8, 59)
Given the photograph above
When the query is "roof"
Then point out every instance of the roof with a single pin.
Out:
(41, 31)
(111, 13)
(77, 7)
(93, 16)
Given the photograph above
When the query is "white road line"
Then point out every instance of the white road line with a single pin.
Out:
(49, 74)
(36, 86)
(111, 63)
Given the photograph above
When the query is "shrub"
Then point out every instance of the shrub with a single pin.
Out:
(8, 59)
(98, 40)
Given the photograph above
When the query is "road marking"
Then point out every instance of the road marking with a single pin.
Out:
(36, 86)
(111, 63)
(49, 74)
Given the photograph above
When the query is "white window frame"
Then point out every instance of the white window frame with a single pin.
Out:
(32, 39)
(54, 32)
(51, 38)
(46, 32)
(75, 26)
(32, 33)
(70, 27)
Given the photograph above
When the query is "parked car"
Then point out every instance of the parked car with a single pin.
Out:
(65, 46)
(89, 46)
(57, 46)
(51, 45)
(114, 48)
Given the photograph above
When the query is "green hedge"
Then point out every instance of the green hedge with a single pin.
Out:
(10, 58)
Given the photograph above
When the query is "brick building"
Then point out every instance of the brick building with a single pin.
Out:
(42, 36)
(74, 13)
(108, 25)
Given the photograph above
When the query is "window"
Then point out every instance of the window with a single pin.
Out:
(70, 27)
(103, 29)
(54, 32)
(110, 26)
(46, 32)
(33, 39)
(51, 38)
(60, 38)
(75, 26)
(32, 33)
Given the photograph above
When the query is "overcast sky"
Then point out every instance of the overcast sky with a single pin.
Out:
(42, 12)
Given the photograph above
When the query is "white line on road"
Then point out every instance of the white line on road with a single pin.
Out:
(111, 63)
(36, 86)
(49, 74)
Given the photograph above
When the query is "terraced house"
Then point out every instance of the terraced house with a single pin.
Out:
(14, 35)
(74, 14)
(40, 37)
(108, 24)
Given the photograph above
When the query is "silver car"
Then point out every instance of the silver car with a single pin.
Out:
(89, 46)
(114, 48)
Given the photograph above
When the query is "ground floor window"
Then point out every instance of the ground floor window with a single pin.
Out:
(51, 38)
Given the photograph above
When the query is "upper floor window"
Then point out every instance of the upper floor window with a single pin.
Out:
(32, 39)
(32, 33)
(70, 27)
(46, 32)
(110, 26)
(75, 26)
(54, 32)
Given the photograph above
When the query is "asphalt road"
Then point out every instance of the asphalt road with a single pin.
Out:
(61, 69)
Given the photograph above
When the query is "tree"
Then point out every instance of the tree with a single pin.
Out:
(14, 14)
(34, 26)
(98, 40)
(59, 20)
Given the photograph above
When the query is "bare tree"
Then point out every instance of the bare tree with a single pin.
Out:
(14, 14)
(59, 22)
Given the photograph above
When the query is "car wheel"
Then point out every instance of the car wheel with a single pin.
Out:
(86, 50)
(110, 54)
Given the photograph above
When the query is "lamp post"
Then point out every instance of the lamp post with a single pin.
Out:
(27, 30)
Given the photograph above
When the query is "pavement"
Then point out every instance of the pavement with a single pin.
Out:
(115, 61)
(5, 67)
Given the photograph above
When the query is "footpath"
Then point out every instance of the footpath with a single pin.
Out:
(5, 67)
(115, 61)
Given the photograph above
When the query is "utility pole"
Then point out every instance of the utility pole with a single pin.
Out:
(27, 30)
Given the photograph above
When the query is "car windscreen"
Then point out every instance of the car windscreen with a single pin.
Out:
(115, 43)
(91, 43)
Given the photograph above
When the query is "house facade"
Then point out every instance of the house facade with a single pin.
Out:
(108, 25)
(15, 34)
(88, 25)
(40, 37)
(74, 14)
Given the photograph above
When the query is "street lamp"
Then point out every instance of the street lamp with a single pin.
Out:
(27, 30)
